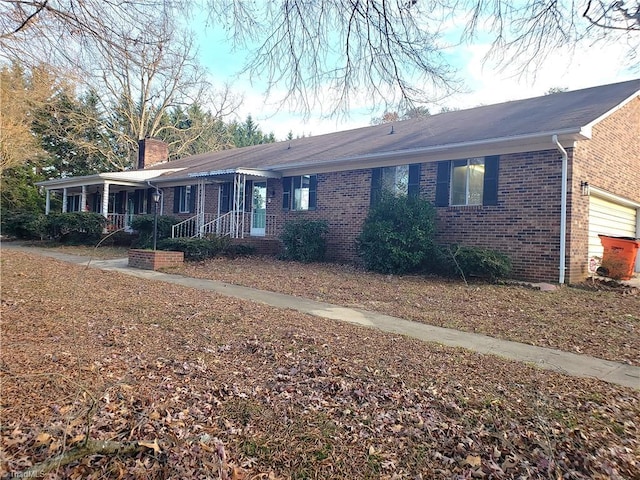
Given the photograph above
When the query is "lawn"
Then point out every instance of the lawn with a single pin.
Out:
(191, 384)
(603, 322)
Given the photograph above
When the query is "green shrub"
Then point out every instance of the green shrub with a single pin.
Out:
(119, 239)
(195, 249)
(305, 240)
(143, 224)
(239, 250)
(477, 262)
(397, 235)
(76, 227)
(26, 226)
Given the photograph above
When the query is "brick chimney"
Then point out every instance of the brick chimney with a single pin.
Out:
(151, 151)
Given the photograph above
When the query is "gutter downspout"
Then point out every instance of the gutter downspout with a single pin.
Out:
(563, 209)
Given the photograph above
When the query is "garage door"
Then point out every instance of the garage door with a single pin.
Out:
(609, 218)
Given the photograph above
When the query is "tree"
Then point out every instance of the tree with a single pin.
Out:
(408, 114)
(249, 133)
(21, 92)
(325, 53)
(192, 130)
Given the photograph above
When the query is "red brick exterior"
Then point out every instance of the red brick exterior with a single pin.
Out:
(154, 260)
(610, 160)
(152, 151)
(525, 224)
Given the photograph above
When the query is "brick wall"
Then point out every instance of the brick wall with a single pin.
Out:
(154, 260)
(152, 151)
(343, 201)
(610, 160)
(525, 224)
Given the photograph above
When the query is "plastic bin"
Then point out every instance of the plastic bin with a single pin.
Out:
(619, 256)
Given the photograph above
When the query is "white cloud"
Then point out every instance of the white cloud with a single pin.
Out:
(585, 66)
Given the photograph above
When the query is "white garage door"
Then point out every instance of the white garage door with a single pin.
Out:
(609, 218)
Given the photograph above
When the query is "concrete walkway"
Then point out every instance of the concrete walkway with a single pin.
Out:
(546, 358)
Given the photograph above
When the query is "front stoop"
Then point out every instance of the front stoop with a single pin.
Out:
(154, 259)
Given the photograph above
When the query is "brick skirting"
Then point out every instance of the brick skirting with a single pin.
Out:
(154, 260)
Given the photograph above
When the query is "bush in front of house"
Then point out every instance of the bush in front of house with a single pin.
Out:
(196, 249)
(83, 228)
(397, 235)
(24, 225)
(454, 260)
(304, 240)
(143, 224)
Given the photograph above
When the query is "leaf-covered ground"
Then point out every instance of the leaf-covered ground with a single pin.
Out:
(604, 323)
(216, 387)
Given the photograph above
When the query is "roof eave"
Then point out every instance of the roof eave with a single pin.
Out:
(521, 143)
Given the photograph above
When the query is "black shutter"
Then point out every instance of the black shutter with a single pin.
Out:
(150, 204)
(192, 200)
(248, 196)
(225, 195)
(94, 202)
(119, 202)
(490, 190)
(313, 195)
(176, 199)
(442, 184)
(376, 186)
(286, 193)
(413, 189)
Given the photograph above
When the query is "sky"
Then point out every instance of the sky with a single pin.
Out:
(588, 65)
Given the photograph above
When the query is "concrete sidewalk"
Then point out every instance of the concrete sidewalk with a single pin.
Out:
(546, 358)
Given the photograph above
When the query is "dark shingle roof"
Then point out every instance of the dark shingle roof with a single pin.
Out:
(556, 113)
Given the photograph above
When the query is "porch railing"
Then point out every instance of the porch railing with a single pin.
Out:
(189, 227)
(226, 225)
(116, 221)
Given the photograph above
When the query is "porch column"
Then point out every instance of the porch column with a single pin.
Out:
(47, 205)
(105, 200)
(64, 200)
(83, 199)
(200, 207)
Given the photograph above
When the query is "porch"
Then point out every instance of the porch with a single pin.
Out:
(230, 224)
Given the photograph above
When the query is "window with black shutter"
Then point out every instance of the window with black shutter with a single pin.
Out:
(300, 192)
(471, 181)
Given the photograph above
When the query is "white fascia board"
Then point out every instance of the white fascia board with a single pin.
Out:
(239, 171)
(503, 146)
(128, 178)
(599, 192)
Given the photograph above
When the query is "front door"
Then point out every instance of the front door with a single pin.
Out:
(259, 209)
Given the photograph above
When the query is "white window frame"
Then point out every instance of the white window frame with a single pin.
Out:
(470, 198)
(399, 176)
(184, 202)
(300, 201)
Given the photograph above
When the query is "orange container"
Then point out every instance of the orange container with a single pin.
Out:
(619, 256)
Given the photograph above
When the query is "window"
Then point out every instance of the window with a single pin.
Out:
(398, 180)
(472, 181)
(184, 199)
(73, 203)
(395, 180)
(299, 193)
(467, 181)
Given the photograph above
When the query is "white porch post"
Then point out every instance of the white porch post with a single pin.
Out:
(47, 205)
(237, 218)
(105, 200)
(83, 199)
(200, 207)
(64, 200)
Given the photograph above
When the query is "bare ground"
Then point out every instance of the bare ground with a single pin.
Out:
(222, 388)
